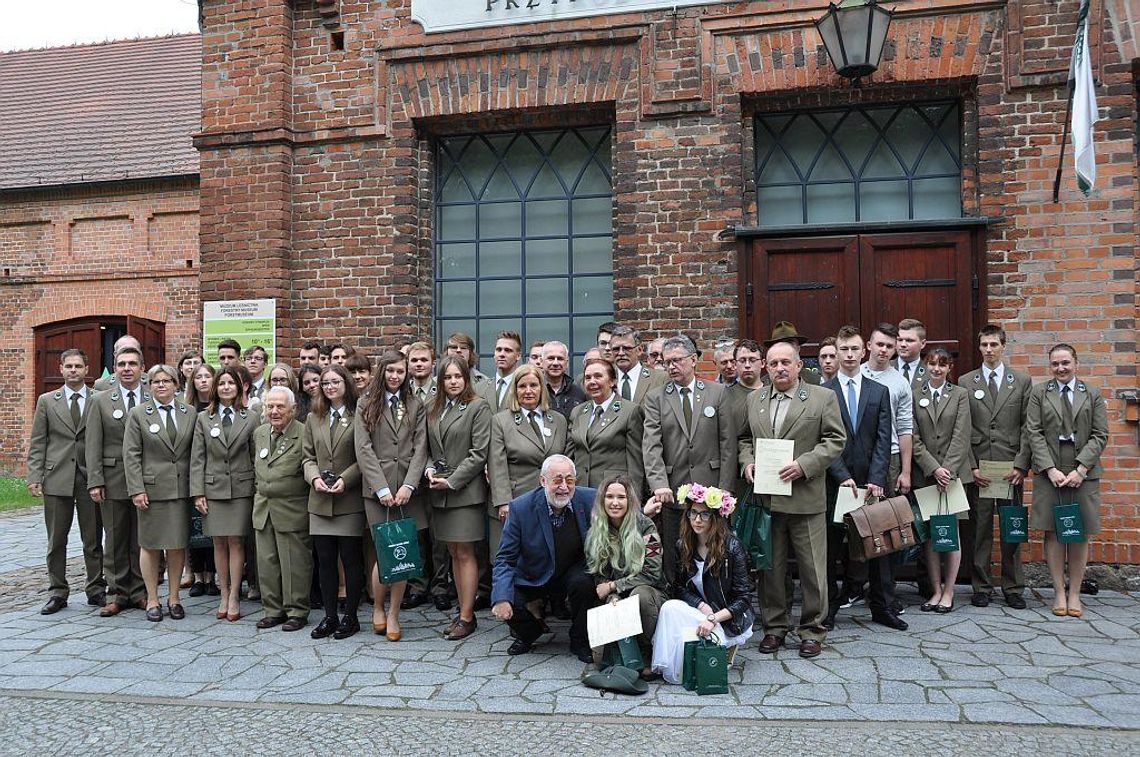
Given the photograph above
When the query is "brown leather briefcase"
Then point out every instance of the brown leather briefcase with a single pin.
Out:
(880, 528)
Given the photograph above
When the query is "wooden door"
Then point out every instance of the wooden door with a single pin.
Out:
(152, 337)
(50, 342)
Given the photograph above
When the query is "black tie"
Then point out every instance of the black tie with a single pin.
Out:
(393, 402)
(598, 410)
(906, 371)
(1066, 413)
(130, 401)
(75, 415)
(227, 423)
(537, 430)
(625, 392)
(446, 410)
(499, 391)
(687, 408)
(993, 385)
(171, 429)
(936, 396)
(335, 418)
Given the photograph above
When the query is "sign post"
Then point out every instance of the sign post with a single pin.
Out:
(248, 322)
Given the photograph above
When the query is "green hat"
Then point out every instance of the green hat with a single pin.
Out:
(618, 678)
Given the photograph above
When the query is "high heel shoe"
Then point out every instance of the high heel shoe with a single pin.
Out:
(394, 635)
(1075, 612)
(233, 617)
(380, 629)
(1060, 612)
(221, 614)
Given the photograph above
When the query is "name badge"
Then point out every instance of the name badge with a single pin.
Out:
(263, 454)
(117, 415)
(709, 411)
(924, 402)
(154, 428)
(979, 395)
(215, 432)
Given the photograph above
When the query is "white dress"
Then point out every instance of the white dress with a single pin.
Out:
(676, 624)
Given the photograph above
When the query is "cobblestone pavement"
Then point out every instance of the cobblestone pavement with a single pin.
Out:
(34, 725)
(972, 666)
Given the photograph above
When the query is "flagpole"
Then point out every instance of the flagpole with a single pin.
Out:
(1064, 144)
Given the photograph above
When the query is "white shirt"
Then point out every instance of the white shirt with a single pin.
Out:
(913, 367)
(902, 401)
(605, 406)
(857, 379)
(998, 373)
(1071, 396)
(634, 377)
(537, 415)
(339, 411)
(137, 392)
(82, 394)
(500, 393)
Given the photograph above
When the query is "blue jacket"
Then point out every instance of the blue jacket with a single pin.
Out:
(526, 552)
(867, 455)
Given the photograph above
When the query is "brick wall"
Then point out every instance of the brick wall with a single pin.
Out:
(116, 250)
(317, 167)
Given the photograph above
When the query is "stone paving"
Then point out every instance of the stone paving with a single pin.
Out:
(980, 666)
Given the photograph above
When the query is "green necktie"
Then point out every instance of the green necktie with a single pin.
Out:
(687, 408)
(227, 423)
(171, 429)
(537, 430)
(75, 415)
(993, 385)
(626, 394)
(1066, 412)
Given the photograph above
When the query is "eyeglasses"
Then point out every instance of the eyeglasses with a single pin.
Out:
(676, 360)
(560, 480)
(747, 360)
(160, 382)
(700, 515)
(622, 347)
(279, 381)
(654, 354)
(255, 359)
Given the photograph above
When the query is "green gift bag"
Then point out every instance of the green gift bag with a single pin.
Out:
(744, 522)
(397, 550)
(624, 652)
(706, 666)
(921, 527)
(1067, 520)
(762, 547)
(753, 527)
(1014, 521)
(944, 528)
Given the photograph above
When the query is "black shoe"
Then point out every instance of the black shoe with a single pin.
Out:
(98, 599)
(176, 611)
(518, 646)
(482, 602)
(582, 652)
(154, 614)
(327, 627)
(212, 590)
(270, 622)
(349, 626)
(441, 602)
(898, 608)
(854, 598)
(197, 589)
(294, 624)
(54, 605)
(412, 601)
(829, 621)
(981, 599)
(890, 620)
(1015, 601)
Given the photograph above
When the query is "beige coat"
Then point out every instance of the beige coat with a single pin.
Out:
(813, 421)
(221, 464)
(610, 446)
(647, 380)
(325, 448)
(461, 440)
(705, 454)
(56, 451)
(106, 423)
(281, 486)
(153, 464)
(516, 454)
(942, 434)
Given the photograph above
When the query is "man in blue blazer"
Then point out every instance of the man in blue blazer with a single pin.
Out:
(866, 409)
(542, 553)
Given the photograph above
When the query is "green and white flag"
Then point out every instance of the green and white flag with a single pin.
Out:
(1084, 104)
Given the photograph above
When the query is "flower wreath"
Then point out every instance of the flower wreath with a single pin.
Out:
(709, 496)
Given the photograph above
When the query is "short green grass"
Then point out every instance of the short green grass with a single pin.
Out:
(14, 494)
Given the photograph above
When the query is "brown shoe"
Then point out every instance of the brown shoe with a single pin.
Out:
(810, 648)
(461, 629)
(111, 609)
(771, 643)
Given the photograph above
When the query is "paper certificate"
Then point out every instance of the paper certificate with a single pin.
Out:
(995, 471)
(955, 497)
(771, 456)
(849, 499)
(613, 622)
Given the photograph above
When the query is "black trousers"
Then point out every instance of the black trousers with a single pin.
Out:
(349, 551)
(877, 573)
(579, 588)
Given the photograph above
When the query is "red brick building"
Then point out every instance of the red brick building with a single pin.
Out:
(98, 212)
(383, 180)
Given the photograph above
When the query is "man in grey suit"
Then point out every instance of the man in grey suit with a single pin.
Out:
(107, 483)
(909, 345)
(690, 437)
(57, 470)
(999, 399)
(112, 381)
(634, 380)
(436, 579)
(508, 347)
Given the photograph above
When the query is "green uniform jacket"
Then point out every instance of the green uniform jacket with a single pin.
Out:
(611, 446)
(1090, 426)
(461, 440)
(153, 464)
(281, 486)
(998, 425)
(516, 454)
(813, 421)
(705, 454)
(334, 449)
(392, 457)
(56, 451)
(651, 572)
(221, 464)
(942, 435)
(106, 423)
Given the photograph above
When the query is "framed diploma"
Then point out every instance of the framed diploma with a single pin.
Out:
(771, 456)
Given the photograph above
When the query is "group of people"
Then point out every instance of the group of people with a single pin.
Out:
(537, 494)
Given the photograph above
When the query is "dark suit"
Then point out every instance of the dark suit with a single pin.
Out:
(525, 564)
(866, 458)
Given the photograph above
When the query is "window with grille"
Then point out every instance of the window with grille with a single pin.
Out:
(524, 236)
(861, 164)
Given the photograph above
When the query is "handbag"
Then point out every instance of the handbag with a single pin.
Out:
(880, 528)
(624, 652)
(944, 528)
(705, 668)
(198, 538)
(1068, 522)
(1013, 519)
(397, 549)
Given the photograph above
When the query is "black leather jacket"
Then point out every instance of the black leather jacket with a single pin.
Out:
(730, 589)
